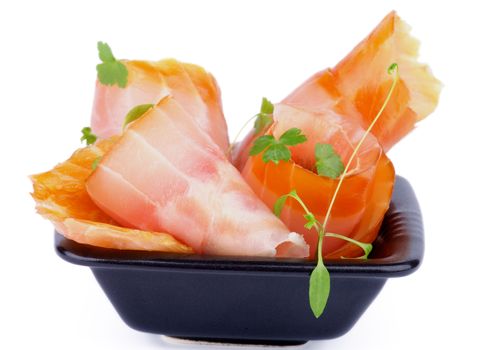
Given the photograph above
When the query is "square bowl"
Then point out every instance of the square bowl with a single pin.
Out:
(251, 300)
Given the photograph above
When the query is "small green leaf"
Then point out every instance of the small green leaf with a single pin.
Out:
(135, 113)
(266, 107)
(367, 247)
(310, 221)
(328, 162)
(279, 205)
(264, 118)
(319, 289)
(276, 152)
(105, 52)
(111, 71)
(262, 122)
(95, 163)
(88, 136)
(261, 143)
(392, 68)
(292, 137)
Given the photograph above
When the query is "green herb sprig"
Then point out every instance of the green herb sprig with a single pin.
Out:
(328, 162)
(111, 71)
(264, 119)
(312, 222)
(88, 136)
(319, 283)
(276, 150)
(328, 165)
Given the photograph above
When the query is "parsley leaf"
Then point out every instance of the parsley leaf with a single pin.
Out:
(135, 113)
(276, 150)
(292, 137)
(111, 71)
(266, 107)
(264, 118)
(261, 143)
(105, 52)
(328, 162)
(88, 136)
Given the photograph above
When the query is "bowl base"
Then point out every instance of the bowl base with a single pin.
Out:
(233, 342)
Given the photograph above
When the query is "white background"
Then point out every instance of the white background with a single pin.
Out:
(254, 48)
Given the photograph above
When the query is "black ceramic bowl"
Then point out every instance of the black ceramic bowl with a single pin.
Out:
(251, 300)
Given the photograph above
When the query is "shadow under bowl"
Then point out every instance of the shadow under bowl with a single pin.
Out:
(251, 300)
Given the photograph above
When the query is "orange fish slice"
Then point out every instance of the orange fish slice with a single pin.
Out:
(61, 197)
(365, 193)
(355, 90)
(361, 81)
(148, 82)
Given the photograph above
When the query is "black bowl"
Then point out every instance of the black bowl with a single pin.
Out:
(251, 300)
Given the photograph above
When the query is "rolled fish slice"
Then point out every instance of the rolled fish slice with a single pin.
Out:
(355, 89)
(166, 174)
(363, 199)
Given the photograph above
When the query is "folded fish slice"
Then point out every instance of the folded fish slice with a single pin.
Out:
(148, 82)
(61, 197)
(361, 81)
(166, 174)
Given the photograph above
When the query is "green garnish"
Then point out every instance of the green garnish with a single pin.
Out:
(111, 71)
(328, 162)
(319, 283)
(264, 118)
(366, 247)
(311, 222)
(135, 113)
(392, 69)
(276, 150)
(95, 163)
(88, 136)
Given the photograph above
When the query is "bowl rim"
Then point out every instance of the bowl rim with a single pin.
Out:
(398, 251)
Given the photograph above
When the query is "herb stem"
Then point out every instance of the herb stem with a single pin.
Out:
(367, 247)
(355, 151)
(321, 234)
(319, 283)
(230, 147)
(316, 224)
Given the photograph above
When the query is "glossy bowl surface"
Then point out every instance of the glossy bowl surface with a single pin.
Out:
(251, 300)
